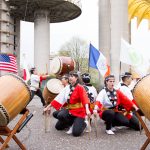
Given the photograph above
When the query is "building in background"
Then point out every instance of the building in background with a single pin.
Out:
(113, 25)
(41, 12)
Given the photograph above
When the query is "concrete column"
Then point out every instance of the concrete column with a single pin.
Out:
(119, 28)
(104, 28)
(8, 34)
(41, 40)
(7, 29)
(17, 42)
(104, 31)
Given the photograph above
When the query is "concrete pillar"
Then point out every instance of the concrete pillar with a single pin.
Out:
(0, 19)
(7, 33)
(104, 28)
(119, 28)
(41, 40)
(104, 31)
(17, 42)
(6, 29)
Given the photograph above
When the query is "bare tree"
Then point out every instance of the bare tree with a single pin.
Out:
(78, 50)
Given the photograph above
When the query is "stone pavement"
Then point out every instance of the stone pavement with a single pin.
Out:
(33, 136)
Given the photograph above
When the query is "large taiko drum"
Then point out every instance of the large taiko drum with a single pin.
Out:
(62, 65)
(14, 97)
(52, 89)
(141, 94)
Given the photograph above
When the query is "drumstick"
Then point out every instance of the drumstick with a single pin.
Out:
(89, 125)
(47, 117)
(95, 125)
(46, 69)
(26, 121)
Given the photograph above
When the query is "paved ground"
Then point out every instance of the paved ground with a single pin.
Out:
(33, 136)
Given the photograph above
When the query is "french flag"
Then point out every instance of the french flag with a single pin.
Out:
(98, 61)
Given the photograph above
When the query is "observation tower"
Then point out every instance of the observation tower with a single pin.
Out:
(41, 13)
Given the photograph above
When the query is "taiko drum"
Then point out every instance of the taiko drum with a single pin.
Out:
(62, 65)
(141, 94)
(52, 89)
(14, 97)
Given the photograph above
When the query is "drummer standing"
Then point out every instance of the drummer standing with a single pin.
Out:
(35, 84)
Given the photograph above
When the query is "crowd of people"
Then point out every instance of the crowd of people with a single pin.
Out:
(78, 102)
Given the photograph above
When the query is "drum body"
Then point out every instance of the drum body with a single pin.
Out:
(15, 95)
(52, 89)
(62, 65)
(141, 94)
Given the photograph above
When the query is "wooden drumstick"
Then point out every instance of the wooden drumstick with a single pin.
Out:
(95, 125)
(46, 69)
(47, 117)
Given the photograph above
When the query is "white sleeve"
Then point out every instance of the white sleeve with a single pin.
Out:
(129, 95)
(126, 91)
(95, 93)
(61, 97)
(100, 96)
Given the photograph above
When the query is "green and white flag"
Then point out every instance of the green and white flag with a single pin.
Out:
(129, 55)
(133, 57)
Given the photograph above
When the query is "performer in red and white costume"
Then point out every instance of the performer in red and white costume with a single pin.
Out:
(76, 99)
(36, 81)
(109, 103)
(126, 81)
(65, 82)
(90, 89)
(92, 94)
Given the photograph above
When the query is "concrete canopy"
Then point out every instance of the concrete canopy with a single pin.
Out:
(139, 9)
(59, 10)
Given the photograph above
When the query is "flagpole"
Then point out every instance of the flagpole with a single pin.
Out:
(119, 70)
(130, 70)
(88, 69)
(89, 59)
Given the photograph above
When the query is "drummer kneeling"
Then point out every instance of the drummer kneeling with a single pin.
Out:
(109, 104)
(75, 97)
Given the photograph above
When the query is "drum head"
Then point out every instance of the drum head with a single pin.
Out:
(4, 118)
(141, 94)
(55, 65)
(54, 86)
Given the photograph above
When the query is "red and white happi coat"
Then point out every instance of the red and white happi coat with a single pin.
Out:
(103, 101)
(78, 95)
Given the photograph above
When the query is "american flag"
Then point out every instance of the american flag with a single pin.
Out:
(8, 63)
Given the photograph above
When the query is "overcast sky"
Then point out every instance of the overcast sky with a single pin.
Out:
(84, 27)
(141, 37)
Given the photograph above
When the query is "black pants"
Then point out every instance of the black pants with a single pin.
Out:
(39, 94)
(112, 119)
(66, 120)
(55, 113)
(134, 123)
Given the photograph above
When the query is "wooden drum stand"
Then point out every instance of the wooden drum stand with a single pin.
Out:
(5, 131)
(147, 132)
